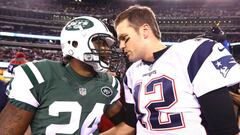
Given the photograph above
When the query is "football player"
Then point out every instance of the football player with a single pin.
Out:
(8, 74)
(57, 98)
(170, 87)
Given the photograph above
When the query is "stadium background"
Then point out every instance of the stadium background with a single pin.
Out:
(34, 26)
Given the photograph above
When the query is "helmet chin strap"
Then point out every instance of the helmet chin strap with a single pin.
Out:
(93, 61)
(97, 67)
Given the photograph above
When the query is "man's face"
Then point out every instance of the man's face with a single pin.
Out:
(109, 53)
(103, 49)
(130, 40)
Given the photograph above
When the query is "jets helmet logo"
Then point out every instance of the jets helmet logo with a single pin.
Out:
(106, 91)
(79, 23)
(224, 64)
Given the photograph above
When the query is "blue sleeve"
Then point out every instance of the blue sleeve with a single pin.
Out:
(3, 96)
(217, 113)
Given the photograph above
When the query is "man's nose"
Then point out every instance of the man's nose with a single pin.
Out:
(122, 45)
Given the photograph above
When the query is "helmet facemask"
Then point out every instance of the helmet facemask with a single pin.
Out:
(105, 52)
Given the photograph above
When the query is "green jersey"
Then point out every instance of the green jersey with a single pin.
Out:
(63, 101)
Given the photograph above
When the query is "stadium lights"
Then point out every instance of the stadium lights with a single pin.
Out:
(50, 38)
(13, 34)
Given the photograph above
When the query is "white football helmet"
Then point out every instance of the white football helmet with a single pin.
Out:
(89, 40)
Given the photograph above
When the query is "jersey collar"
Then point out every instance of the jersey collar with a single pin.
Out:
(75, 75)
(156, 55)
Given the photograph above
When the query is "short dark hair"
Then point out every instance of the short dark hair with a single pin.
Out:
(138, 15)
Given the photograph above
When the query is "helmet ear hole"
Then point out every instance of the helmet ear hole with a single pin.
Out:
(75, 44)
(69, 42)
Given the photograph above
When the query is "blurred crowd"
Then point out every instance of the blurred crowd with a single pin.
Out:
(103, 7)
(178, 20)
(46, 17)
(7, 53)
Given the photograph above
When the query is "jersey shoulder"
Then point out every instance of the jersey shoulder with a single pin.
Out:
(191, 48)
(40, 71)
(48, 65)
(109, 80)
(191, 44)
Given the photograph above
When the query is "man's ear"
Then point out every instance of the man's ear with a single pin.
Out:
(145, 29)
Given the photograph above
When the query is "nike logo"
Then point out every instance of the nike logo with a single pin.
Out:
(221, 49)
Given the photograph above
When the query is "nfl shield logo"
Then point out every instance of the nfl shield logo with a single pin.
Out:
(82, 91)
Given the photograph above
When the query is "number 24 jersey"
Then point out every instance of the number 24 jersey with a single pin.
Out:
(63, 101)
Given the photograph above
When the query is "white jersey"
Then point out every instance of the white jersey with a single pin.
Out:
(165, 92)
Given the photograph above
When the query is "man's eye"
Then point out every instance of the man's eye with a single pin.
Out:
(127, 39)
